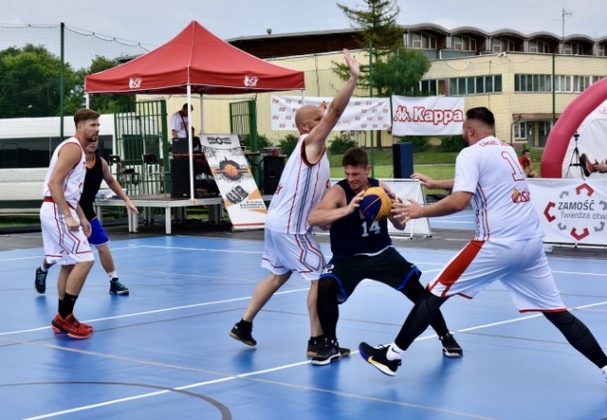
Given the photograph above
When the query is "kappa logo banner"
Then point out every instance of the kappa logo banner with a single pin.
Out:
(571, 211)
(427, 116)
(361, 114)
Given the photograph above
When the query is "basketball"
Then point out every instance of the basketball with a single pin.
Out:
(375, 204)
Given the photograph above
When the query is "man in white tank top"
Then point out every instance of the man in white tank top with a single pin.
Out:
(289, 245)
(507, 247)
(64, 227)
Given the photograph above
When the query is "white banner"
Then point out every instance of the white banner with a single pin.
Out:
(361, 114)
(404, 189)
(572, 211)
(236, 184)
(427, 116)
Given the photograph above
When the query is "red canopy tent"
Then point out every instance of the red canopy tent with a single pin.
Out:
(195, 61)
(199, 59)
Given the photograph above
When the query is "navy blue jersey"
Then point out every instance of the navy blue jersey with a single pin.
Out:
(92, 182)
(352, 235)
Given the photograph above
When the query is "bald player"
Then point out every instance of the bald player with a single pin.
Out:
(288, 244)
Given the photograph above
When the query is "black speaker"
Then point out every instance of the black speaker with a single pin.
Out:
(180, 176)
(402, 159)
(272, 170)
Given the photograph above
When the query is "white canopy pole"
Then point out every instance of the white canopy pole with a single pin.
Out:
(201, 120)
(87, 100)
(190, 148)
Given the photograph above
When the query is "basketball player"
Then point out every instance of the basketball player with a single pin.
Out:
(64, 227)
(97, 170)
(288, 244)
(487, 173)
(362, 249)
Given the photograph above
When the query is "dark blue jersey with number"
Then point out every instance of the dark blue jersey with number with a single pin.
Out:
(352, 235)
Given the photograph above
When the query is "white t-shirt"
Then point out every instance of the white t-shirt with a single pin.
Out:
(179, 123)
(300, 189)
(74, 181)
(491, 171)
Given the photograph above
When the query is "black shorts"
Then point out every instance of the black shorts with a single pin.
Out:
(389, 268)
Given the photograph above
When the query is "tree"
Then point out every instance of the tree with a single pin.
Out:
(30, 82)
(400, 73)
(379, 33)
(102, 103)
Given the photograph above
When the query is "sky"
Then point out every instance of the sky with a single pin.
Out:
(154, 22)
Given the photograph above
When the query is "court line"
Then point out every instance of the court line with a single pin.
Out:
(291, 365)
(156, 311)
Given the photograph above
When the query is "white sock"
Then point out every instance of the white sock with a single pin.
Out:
(394, 352)
(44, 269)
(112, 275)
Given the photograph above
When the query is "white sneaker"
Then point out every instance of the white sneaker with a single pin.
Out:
(605, 372)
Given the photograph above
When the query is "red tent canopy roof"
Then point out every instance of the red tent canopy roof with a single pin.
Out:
(198, 58)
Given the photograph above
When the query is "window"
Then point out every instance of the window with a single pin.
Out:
(475, 85)
(423, 40)
(573, 48)
(520, 130)
(464, 43)
(539, 46)
(503, 45)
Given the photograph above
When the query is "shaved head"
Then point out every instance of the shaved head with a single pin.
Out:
(307, 117)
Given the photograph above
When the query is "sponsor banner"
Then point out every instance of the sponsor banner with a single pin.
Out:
(233, 176)
(404, 189)
(571, 211)
(361, 114)
(427, 116)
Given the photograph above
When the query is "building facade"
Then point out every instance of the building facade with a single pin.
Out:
(527, 80)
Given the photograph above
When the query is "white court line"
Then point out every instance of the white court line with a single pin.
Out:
(275, 369)
(39, 257)
(156, 311)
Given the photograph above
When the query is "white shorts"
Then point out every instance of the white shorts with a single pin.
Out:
(62, 245)
(284, 253)
(521, 266)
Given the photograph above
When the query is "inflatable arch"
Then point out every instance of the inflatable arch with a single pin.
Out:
(561, 134)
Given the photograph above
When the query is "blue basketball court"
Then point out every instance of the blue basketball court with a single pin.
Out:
(164, 351)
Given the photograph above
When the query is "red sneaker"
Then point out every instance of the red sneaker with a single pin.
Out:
(71, 327)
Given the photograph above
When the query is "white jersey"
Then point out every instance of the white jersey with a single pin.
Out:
(74, 181)
(300, 189)
(491, 171)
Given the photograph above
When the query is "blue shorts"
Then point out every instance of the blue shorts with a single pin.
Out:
(98, 236)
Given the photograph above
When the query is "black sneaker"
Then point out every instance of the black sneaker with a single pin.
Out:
(242, 332)
(327, 353)
(376, 356)
(314, 345)
(450, 346)
(40, 281)
(117, 288)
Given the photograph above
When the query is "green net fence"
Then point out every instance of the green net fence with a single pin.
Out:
(32, 57)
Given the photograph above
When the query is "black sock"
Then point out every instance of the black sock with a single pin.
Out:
(414, 291)
(245, 324)
(327, 307)
(579, 336)
(418, 320)
(66, 306)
